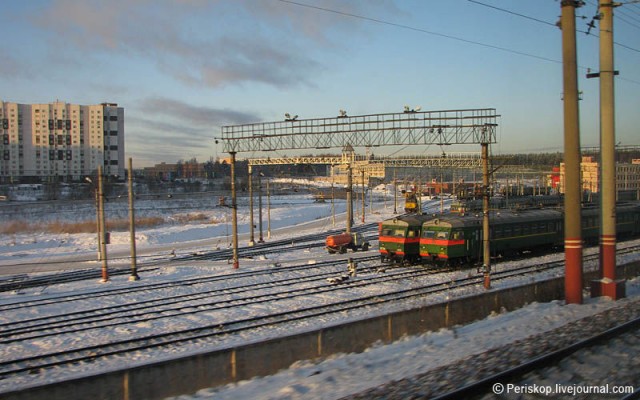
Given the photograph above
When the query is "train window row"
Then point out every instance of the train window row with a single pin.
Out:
(427, 234)
(524, 229)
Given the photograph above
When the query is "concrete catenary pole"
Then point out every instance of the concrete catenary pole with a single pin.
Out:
(607, 285)
(260, 237)
(349, 198)
(251, 225)
(572, 197)
(103, 230)
(132, 226)
(98, 228)
(363, 198)
(268, 211)
(234, 211)
(486, 249)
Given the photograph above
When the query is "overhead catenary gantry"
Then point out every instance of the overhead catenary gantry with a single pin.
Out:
(409, 128)
(471, 126)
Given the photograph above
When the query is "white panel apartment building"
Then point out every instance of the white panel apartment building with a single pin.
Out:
(60, 141)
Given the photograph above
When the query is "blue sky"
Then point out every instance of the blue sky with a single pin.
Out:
(182, 69)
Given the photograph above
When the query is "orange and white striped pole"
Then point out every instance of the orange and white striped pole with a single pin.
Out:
(572, 191)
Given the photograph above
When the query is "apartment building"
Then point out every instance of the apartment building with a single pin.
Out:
(60, 141)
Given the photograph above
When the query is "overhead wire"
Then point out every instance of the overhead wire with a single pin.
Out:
(451, 37)
(546, 22)
(412, 28)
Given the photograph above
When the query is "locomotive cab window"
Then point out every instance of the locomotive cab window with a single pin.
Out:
(387, 232)
(399, 233)
(428, 234)
(442, 235)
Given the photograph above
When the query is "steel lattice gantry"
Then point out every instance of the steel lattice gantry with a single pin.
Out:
(471, 126)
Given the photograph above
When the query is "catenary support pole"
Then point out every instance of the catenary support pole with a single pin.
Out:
(572, 197)
(260, 237)
(103, 231)
(395, 192)
(607, 285)
(234, 211)
(251, 225)
(98, 227)
(268, 211)
(132, 226)
(486, 249)
(363, 199)
(349, 198)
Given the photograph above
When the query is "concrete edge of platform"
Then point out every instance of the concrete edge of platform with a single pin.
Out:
(189, 374)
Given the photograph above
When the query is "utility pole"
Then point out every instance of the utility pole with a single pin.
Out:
(251, 236)
(607, 285)
(268, 211)
(103, 231)
(363, 201)
(132, 227)
(395, 192)
(260, 237)
(333, 206)
(486, 249)
(349, 198)
(572, 203)
(234, 211)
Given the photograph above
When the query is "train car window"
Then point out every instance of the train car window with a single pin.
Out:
(428, 234)
(442, 235)
(399, 233)
(411, 234)
(387, 232)
(457, 235)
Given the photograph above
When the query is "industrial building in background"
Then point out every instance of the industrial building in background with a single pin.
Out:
(60, 142)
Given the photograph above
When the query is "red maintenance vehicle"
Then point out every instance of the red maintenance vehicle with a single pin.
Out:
(344, 241)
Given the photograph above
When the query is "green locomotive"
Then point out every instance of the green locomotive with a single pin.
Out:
(399, 238)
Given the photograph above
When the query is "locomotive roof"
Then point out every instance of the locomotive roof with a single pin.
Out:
(409, 219)
(502, 216)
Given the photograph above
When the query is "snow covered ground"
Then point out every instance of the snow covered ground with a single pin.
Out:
(337, 376)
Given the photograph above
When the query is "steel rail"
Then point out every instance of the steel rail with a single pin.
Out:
(554, 357)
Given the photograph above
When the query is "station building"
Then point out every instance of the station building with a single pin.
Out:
(60, 142)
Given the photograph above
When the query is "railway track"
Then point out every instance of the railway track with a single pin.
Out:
(280, 308)
(149, 263)
(548, 365)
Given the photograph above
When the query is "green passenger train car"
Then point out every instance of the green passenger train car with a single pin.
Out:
(457, 239)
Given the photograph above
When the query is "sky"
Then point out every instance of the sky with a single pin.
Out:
(182, 69)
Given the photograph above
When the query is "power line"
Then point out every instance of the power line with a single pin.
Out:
(549, 23)
(403, 26)
(513, 13)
